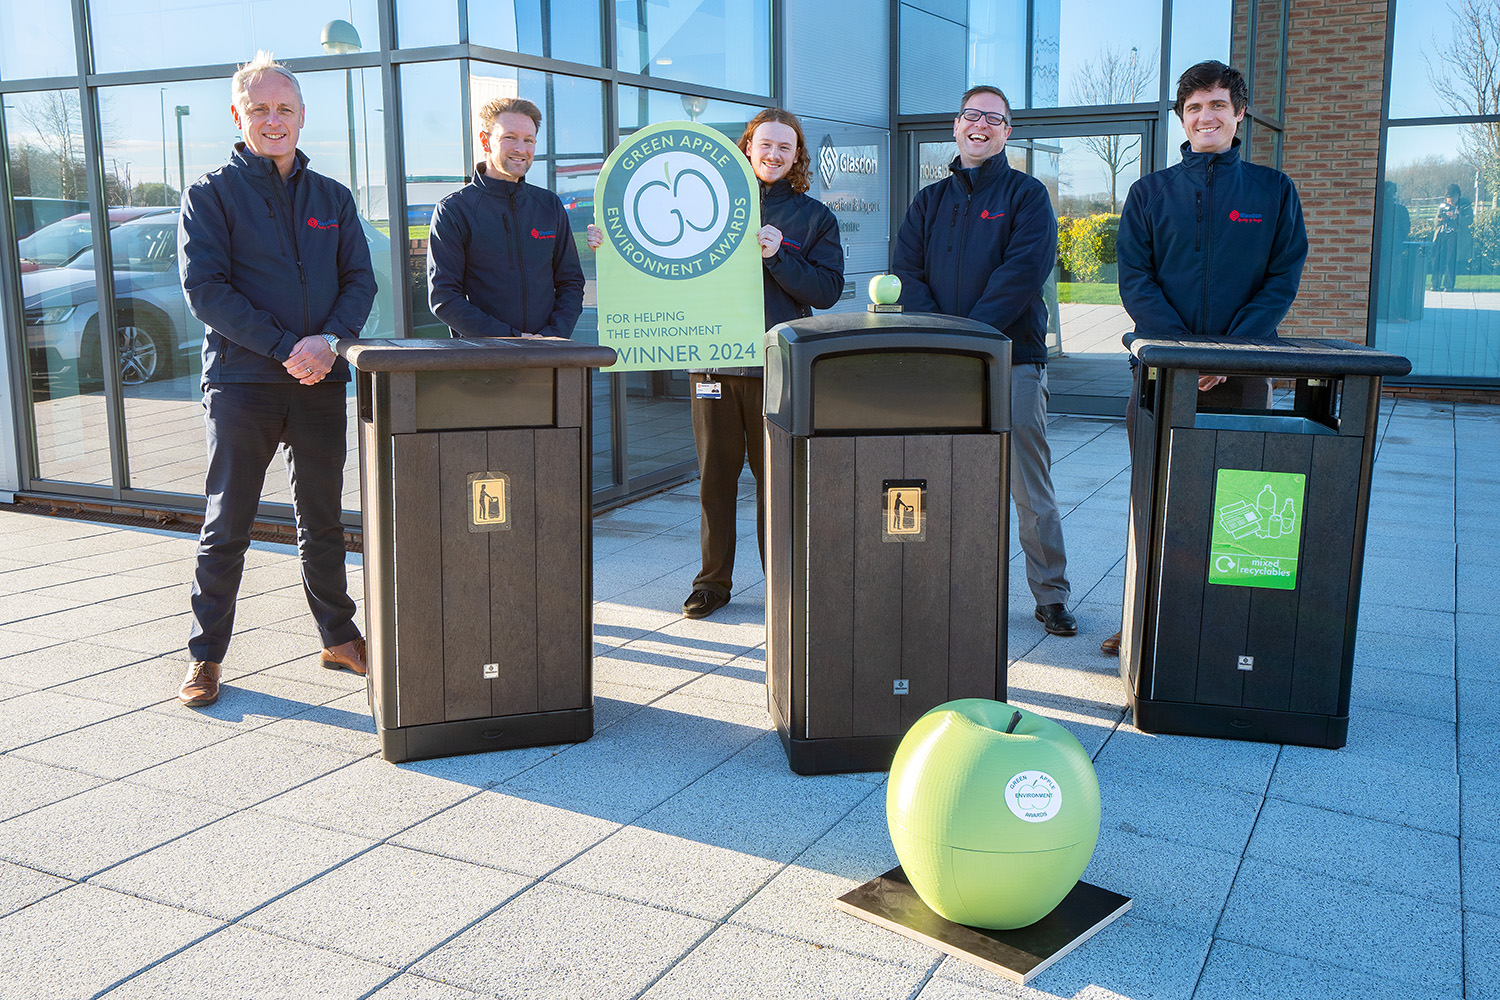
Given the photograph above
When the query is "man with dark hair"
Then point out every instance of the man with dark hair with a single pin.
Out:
(501, 261)
(1212, 246)
(981, 243)
(275, 294)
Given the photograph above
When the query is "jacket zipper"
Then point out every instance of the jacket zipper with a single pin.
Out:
(296, 255)
(1208, 260)
(512, 227)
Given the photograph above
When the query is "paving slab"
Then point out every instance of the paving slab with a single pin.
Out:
(124, 744)
(1132, 959)
(69, 837)
(85, 922)
(410, 987)
(1193, 813)
(1373, 787)
(1355, 849)
(26, 785)
(507, 831)
(232, 866)
(1481, 956)
(243, 769)
(1376, 931)
(390, 905)
(557, 943)
(1227, 763)
(766, 967)
(1240, 972)
(1481, 874)
(243, 964)
(20, 887)
(391, 799)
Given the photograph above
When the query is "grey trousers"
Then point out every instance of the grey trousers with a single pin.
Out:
(1037, 518)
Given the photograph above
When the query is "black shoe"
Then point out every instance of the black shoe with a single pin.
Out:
(702, 603)
(1055, 619)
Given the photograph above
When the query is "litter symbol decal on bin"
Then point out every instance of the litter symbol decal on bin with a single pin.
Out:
(904, 510)
(489, 501)
(1257, 529)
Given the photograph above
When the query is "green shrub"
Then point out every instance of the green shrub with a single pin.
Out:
(1085, 245)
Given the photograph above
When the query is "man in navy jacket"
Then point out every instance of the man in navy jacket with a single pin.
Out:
(1212, 246)
(981, 243)
(501, 261)
(276, 266)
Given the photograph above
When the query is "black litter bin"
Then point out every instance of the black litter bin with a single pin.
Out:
(1247, 533)
(887, 528)
(474, 474)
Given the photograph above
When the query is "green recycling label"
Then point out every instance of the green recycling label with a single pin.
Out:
(1257, 529)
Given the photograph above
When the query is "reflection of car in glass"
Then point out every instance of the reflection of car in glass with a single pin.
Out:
(156, 335)
(33, 213)
(55, 245)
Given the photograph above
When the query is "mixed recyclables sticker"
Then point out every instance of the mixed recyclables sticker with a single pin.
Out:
(1257, 529)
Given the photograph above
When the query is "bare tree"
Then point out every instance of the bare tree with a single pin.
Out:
(55, 118)
(1465, 74)
(1115, 76)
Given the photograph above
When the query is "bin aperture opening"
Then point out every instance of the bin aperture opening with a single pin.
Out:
(514, 397)
(900, 390)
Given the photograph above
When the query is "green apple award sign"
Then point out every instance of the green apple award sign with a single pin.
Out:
(679, 269)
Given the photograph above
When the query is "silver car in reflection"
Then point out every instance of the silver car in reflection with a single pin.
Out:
(156, 336)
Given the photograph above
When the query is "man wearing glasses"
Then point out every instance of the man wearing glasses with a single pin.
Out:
(980, 243)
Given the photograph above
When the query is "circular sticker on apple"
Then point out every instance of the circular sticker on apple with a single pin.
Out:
(1034, 796)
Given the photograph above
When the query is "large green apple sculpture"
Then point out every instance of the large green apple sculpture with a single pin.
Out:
(993, 828)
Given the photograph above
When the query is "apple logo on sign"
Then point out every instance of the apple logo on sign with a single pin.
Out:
(1033, 796)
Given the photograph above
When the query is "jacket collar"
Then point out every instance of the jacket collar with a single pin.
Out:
(986, 173)
(1200, 162)
(497, 186)
(775, 192)
(262, 166)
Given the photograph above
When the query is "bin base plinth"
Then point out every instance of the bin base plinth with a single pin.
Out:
(1229, 723)
(1019, 955)
(846, 755)
(504, 732)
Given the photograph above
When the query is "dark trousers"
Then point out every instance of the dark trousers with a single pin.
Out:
(245, 423)
(1445, 262)
(726, 431)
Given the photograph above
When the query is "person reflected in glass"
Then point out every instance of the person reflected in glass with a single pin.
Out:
(802, 270)
(1395, 228)
(501, 261)
(981, 243)
(1447, 232)
(275, 265)
(1211, 246)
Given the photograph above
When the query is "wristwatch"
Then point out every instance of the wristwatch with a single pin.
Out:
(333, 342)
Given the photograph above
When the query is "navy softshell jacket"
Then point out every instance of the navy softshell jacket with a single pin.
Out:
(262, 271)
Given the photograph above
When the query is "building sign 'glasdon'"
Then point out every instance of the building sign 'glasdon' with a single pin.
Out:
(679, 269)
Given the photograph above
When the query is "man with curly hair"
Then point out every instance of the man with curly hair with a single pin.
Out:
(803, 269)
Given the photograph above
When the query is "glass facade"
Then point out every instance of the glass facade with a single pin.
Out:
(104, 352)
(1437, 258)
(105, 120)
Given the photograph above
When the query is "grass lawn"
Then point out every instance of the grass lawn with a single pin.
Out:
(1476, 282)
(1093, 293)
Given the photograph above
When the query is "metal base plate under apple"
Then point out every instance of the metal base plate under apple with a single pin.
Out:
(1019, 955)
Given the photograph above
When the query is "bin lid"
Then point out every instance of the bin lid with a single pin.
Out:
(480, 354)
(886, 372)
(1285, 356)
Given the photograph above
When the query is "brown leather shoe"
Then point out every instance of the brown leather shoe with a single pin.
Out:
(1111, 645)
(201, 685)
(348, 656)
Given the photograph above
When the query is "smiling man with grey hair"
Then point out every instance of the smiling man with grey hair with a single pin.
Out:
(275, 265)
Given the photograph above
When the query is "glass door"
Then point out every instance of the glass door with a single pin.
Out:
(1088, 168)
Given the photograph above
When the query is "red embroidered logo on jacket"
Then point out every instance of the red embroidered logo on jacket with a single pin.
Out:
(538, 234)
(1235, 215)
(315, 224)
(987, 214)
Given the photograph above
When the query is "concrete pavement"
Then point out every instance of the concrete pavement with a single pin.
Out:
(260, 847)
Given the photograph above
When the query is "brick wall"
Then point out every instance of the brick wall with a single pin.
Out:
(1330, 149)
